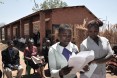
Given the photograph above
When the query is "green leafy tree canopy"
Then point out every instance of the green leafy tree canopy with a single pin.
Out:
(1, 2)
(49, 4)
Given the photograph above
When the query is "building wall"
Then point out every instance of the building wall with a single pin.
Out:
(36, 26)
(35, 23)
(74, 15)
(43, 20)
(8, 33)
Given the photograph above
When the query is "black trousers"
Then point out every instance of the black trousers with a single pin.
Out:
(0, 74)
(74, 77)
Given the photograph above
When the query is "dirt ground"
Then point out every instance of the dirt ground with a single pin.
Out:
(3, 46)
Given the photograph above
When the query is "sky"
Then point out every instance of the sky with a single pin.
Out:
(13, 10)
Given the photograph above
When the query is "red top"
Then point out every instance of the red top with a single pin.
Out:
(32, 51)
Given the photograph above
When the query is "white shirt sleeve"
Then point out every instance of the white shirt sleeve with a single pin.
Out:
(110, 51)
(52, 64)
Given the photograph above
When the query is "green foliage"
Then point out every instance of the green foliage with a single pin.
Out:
(49, 4)
(1, 2)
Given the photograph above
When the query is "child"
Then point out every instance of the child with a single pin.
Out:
(30, 51)
(60, 52)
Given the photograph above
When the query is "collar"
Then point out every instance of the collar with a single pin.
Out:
(99, 38)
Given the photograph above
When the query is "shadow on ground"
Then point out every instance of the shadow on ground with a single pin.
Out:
(31, 76)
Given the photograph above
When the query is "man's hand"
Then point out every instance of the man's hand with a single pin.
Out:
(16, 66)
(34, 53)
(28, 58)
(86, 68)
(65, 70)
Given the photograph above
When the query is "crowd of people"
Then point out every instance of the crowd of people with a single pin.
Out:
(57, 55)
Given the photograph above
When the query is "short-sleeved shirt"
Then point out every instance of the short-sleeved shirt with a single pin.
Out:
(101, 50)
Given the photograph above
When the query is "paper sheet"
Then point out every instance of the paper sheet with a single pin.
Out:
(80, 60)
(92, 68)
(36, 60)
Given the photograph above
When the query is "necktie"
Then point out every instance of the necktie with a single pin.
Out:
(66, 53)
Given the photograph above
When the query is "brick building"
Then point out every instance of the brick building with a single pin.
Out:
(46, 22)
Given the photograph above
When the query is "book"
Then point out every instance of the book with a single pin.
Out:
(36, 60)
(92, 69)
(78, 61)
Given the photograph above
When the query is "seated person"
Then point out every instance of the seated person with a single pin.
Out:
(30, 51)
(11, 60)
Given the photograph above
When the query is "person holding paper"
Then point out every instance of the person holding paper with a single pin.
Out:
(60, 52)
(29, 52)
(101, 47)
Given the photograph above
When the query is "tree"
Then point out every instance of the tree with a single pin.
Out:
(1, 2)
(49, 4)
(2, 24)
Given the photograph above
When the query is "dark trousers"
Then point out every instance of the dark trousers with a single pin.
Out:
(0, 74)
(74, 77)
